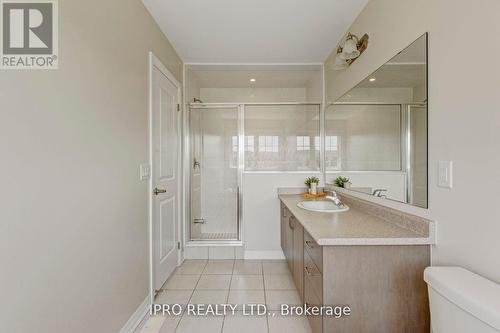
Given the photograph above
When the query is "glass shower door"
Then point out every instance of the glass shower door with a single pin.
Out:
(214, 173)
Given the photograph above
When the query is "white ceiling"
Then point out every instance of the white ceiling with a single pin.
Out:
(265, 76)
(254, 31)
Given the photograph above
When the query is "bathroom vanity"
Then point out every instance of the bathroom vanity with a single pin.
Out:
(369, 258)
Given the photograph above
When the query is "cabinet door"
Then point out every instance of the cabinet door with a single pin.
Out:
(298, 257)
(286, 235)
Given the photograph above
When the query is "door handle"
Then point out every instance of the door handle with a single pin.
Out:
(200, 221)
(310, 244)
(238, 206)
(157, 191)
(196, 163)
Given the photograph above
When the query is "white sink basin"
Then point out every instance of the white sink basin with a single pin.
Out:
(323, 206)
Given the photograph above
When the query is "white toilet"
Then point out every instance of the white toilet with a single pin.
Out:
(462, 301)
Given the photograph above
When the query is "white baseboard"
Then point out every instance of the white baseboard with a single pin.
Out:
(269, 255)
(137, 318)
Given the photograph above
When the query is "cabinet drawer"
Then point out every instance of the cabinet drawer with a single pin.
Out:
(314, 250)
(314, 276)
(311, 299)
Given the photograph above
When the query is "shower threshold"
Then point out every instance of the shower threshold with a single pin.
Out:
(218, 236)
(213, 242)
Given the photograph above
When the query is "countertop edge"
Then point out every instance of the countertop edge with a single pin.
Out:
(424, 240)
(373, 241)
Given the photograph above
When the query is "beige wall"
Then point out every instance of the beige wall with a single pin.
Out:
(464, 115)
(73, 216)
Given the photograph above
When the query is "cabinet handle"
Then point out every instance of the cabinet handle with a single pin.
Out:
(290, 222)
(308, 243)
(238, 207)
(283, 212)
(308, 272)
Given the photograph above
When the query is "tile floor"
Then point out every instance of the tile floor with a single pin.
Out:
(232, 282)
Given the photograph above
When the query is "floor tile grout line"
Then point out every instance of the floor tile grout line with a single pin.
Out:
(192, 293)
(227, 298)
(265, 297)
(228, 291)
(184, 311)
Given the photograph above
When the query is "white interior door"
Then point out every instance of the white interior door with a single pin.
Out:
(165, 176)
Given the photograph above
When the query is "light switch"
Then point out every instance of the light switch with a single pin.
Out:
(445, 174)
(145, 171)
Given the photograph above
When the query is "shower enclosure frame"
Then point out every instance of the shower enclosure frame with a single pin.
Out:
(241, 165)
(187, 174)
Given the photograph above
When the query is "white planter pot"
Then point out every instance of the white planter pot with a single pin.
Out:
(314, 188)
(347, 185)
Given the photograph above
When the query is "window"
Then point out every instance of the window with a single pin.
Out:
(303, 143)
(284, 135)
(268, 144)
(235, 144)
(249, 143)
(331, 143)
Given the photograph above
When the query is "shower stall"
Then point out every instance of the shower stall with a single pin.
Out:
(239, 121)
(222, 141)
(214, 172)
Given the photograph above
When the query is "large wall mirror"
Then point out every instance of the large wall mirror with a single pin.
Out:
(376, 134)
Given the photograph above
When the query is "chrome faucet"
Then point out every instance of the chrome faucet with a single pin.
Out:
(379, 193)
(332, 195)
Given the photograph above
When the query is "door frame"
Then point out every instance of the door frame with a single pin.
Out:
(155, 62)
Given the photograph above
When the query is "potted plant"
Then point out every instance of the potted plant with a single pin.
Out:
(343, 182)
(312, 184)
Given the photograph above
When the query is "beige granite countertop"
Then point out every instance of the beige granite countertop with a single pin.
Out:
(353, 227)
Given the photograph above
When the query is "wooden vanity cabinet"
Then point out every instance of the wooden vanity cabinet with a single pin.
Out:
(382, 284)
(292, 243)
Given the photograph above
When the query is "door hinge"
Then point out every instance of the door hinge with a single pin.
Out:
(178, 245)
(178, 107)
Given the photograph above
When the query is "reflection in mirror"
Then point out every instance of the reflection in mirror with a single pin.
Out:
(376, 134)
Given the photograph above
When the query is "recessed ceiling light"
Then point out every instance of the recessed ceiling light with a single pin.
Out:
(372, 79)
(253, 80)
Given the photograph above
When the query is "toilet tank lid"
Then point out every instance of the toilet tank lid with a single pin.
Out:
(469, 291)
